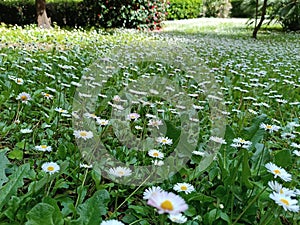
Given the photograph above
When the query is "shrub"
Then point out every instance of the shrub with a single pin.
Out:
(184, 9)
(238, 10)
(287, 12)
(103, 13)
(216, 8)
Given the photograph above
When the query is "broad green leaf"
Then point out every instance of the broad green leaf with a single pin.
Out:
(15, 182)
(42, 213)
(91, 210)
(57, 215)
(16, 154)
(199, 197)
(3, 165)
(254, 133)
(246, 171)
(283, 158)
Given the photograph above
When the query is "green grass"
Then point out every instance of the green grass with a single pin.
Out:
(236, 84)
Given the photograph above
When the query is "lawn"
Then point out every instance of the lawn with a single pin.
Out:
(195, 124)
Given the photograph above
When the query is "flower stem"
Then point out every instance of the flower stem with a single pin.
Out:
(248, 206)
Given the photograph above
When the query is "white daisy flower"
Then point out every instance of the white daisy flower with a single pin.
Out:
(133, 116)
(296, 152)
(47, 96)
(156, 154)
(150, 191)
(278, 188)
(158, 162)
(167, 202)
(60, 110)
(278, 171)
(86, 166)
(83, 134)
(288, 135)
(286, 202)
(164, 140)
(25, 131)
(111, 222)
(239, 142)
(155, 123)
(43, 148)
(269, 127)
(90, 115)
(120, 171)
(218, 140)
(102, 122)
(295, 145)
(177, 218)
(24, 97)
(50, 167)
(19, 81)
(198, 153)
(184, 187)
(138, 127)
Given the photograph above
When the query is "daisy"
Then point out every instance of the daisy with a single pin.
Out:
(185, 187)
(164, 140)
(25, 131)
(102, 122)
(24, 97)
(218, 140)
(60, 110)
(83, 134)
(120, 171)
(133, 116)
(19, 81)
(177, 218)
(278, 171)
(86, 166)
(155, 123)
(288, 135)
(138, 127)
(158, 162)
(296, 152)
(90, 115)
(239, 142)
(199, 153)
(43, 148)
(295, 145)
(156, 154)
(47, 96)
(285, 201)
(111, 222)
(150, 191)
(167, 202)
(278, 188)
(50, 167)
(269, 127)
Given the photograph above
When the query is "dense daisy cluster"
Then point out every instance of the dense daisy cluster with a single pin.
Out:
(47, 81)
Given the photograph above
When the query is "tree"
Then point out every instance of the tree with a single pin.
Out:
(262, 17)
(42, 19)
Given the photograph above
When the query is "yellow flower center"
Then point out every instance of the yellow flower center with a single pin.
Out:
(23, 97)
(19, 81)
(47, 95)
(50, 168)
(269, 126)
(164, 141)
(167, 205)
(155, 154)
(44, 146)
(184, 188)
(83, 133)
(284, 201)
(243, 141)
(121, 173)
(276, 171)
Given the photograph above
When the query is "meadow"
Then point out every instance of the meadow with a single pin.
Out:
(195, 124)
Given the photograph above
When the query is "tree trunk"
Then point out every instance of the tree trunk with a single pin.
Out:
(42, 19)
(262, 18)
